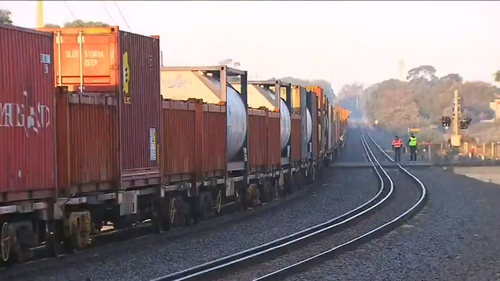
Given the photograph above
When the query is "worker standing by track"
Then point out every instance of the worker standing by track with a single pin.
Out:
(412, 143)
(397, 144)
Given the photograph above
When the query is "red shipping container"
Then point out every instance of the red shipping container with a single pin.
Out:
(27, 138)
(296, 137)
(214, 140)
(258, 139)
(189, 153)
(108, 60)
(274, 139)
(87, 142)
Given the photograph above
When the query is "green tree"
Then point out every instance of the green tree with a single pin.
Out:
(497, 76)
(424, 72)
(327, 86)
(5, 16)
(82, 23)
(51, 25)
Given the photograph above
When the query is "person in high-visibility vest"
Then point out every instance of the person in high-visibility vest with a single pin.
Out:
(397, 143)
(412, 143)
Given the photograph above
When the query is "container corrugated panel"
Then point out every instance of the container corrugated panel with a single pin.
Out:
(178, 142)
(27, 112)
(257, 138)
(215, 138)
(296, 137)
(141, 108)
(274, 139)
(87, 142)
(318, 90)
(315, 128)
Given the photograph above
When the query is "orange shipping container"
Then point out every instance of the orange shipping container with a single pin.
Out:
(106, 60)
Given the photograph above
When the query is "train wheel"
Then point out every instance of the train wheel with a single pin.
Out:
(160, 221)
(276, 189)
(6, 243)
(218, 203)
(268, 191)
(239, 199)
(53, 239)
(206, 205)
(175, 211)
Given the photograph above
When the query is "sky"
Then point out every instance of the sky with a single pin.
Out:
(339, 41)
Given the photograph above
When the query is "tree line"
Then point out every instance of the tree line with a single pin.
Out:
(422, 100)
(6, 18)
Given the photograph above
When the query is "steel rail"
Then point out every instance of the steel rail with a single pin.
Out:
(352, 244)
(207, 270)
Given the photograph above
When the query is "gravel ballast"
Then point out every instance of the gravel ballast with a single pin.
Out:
(406, 194)
(455, 237)
(339, 193)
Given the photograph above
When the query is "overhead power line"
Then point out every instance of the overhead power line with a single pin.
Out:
(119, 11)
(71, 12)
(107, 12)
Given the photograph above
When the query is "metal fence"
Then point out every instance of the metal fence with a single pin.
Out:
(438, 152)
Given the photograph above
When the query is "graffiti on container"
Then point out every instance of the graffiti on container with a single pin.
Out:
(177, 82)
(24, 115)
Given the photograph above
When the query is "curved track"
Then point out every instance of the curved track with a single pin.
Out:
(218, 267)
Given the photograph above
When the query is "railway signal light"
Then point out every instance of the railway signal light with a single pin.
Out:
(465, 122)
(446, 121)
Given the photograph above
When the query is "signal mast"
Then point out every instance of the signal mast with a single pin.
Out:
(456, 121)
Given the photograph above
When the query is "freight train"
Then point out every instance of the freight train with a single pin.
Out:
(95, 130)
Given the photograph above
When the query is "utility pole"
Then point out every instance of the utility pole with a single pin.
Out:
(39, 14)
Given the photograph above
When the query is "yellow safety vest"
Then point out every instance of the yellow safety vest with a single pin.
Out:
(413, 141)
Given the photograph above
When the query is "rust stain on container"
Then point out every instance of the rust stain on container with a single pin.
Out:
(27, 165)
(86, 136)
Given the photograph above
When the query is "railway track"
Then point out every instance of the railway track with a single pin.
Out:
(248, 264)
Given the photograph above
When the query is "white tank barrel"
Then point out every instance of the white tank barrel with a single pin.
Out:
(236, 119)
(309, 126)
(236, 123)
(285, 122)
